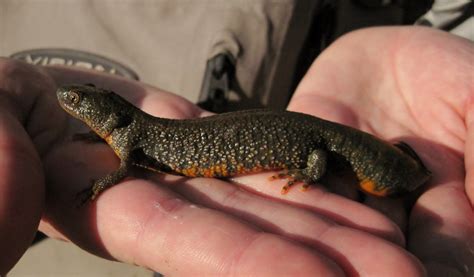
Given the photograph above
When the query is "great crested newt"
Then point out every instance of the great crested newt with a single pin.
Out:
(234, 143)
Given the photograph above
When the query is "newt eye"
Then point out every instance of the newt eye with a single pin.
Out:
(73, 98)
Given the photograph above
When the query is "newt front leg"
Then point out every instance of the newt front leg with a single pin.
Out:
(109, 180)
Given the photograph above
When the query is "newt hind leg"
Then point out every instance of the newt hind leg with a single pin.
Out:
(314, 170)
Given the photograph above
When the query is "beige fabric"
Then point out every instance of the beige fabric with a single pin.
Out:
(168, 42)
(444, 12)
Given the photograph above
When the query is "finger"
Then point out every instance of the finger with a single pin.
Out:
(140, 223)
(440, 235)
(211, 242)
(21, 189)
(328, 205)
(306, 224)
(469, 154)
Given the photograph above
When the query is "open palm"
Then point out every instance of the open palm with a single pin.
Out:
(408, 84)
(416, 85)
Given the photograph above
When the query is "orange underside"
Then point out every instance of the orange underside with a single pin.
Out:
(109, 141)
(217, 171)
(370, 186)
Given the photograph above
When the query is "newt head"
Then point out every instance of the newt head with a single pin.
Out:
(96, 107)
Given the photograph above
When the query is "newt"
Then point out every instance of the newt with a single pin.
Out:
(243, 142)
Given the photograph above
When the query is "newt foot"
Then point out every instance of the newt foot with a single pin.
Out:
(86, 195)
(294, 176)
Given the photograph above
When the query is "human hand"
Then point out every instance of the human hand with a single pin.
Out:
(172, 213)
(416, 85)
(136, 221)
(170, 224)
